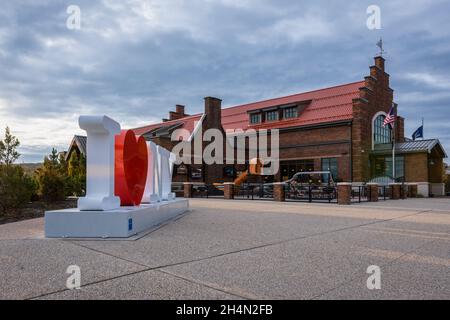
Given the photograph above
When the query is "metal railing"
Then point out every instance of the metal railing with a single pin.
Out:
(360, 194)
(384, 193)
(310, 193)
(302, 193)
(206, 191)
(254, 191)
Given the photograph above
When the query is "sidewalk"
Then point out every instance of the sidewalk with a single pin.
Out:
(245, 250)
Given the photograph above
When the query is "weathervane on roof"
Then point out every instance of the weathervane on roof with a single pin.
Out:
(380, 45)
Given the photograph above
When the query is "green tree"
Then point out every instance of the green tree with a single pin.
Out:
(63, 165)
(8, 148)
(76, 170)
(83, 174)
(74, 165)
(54, 158)
(51, 179)
(16, 188)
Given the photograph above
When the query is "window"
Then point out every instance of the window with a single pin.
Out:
(181, 169)
(229, 172)
(330, 164)
(399, 167)
(381, 166)
(290, 168)
(272, 115)
(381, 134)
(290, 112)
(196, 173)
(255, 118)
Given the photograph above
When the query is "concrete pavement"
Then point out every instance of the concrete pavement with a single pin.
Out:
(245, 250)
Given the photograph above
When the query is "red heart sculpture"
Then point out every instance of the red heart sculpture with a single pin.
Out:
(131, 162)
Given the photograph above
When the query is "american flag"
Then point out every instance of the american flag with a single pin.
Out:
(390, 118)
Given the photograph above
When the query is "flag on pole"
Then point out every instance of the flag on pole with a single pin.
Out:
(390, 118)
(418, 133)
(380, 44)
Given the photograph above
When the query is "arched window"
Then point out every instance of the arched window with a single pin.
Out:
(381, 134)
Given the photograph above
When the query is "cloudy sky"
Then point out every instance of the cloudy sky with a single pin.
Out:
(134, 60)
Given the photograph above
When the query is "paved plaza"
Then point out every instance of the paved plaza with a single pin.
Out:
(245, 250)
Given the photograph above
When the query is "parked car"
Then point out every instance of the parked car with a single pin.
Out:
(313, 178)
(313, 184)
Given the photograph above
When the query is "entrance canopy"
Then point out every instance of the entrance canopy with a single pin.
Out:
(431, 146)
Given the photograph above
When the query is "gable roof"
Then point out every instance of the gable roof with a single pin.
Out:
(78, 141)
(323, 105)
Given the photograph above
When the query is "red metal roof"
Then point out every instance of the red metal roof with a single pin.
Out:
(326, 105)
(188, 124)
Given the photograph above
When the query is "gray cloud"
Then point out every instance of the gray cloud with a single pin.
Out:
(134, 60)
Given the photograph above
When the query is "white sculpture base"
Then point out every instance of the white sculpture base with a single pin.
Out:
(119, 223)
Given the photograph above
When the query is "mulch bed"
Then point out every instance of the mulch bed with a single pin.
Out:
(36, 210)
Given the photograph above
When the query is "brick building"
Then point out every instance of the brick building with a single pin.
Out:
(339, 129)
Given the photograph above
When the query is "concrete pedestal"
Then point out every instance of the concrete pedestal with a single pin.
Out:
(119, 223)
(437, 189)
(423, 189)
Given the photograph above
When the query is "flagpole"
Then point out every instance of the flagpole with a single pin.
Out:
(423, 129)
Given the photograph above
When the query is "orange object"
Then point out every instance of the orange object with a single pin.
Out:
(131, 165)
(241, 179)
(255, 167)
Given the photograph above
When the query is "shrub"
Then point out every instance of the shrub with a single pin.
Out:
(16, 188)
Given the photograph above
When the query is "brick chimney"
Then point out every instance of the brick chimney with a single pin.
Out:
(213, 111)
(178, 113)
(213, 120)
(179, 109)
(379, 62)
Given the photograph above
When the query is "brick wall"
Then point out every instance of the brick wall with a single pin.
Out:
(436, 170)
(400, 130)
(375, 96)
(213, 120)
(416, 167)
(316, 143)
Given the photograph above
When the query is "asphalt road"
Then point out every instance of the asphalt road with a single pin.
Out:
(245, 250)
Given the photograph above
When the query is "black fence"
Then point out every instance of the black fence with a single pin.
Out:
(254, 191)
(310, 193)
(300, 193)
(384, 193)
(207, 191)
(360, 194)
